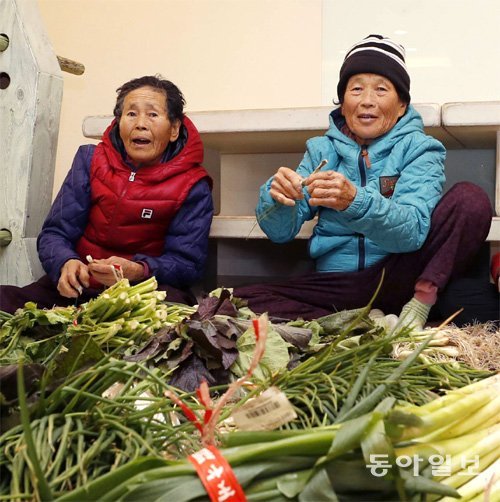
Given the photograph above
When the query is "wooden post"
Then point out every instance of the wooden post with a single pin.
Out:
(30, 103)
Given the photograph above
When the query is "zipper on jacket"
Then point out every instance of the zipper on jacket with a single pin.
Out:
(132, 176)
(364, 154)
(363, 161)
(363, 164)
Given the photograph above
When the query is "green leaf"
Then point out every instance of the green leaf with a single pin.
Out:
(350, 474)
(421, 484)
(101, 486)
(276, 356)
(293, 484)
(353, 432)
(319, 487)
(356, 319)
(398, 417)
(180, 489)
(349, 436)
(58, 315)
(376, 442)
(82, 351)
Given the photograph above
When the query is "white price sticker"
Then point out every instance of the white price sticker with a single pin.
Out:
(268, 411)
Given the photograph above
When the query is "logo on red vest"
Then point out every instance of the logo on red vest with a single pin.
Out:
(387, 185)
(147, 214)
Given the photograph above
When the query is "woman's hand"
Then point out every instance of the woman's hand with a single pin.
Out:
(286, 186)
(330, 189)
(74, 276)
(103, 271)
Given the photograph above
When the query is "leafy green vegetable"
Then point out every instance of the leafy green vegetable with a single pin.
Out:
(276, 356)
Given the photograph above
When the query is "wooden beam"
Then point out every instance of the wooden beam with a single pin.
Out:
(67, 65)
(70, 66)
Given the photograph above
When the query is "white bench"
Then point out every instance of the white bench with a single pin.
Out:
(236, 133)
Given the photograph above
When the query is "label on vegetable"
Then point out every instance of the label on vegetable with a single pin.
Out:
(217, 476)
(268, 411)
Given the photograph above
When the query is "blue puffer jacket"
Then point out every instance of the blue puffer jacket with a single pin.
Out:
(395, 197)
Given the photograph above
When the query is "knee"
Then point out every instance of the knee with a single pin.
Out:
(471, 200)
(470, 192)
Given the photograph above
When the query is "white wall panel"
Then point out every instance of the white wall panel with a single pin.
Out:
(452, 46)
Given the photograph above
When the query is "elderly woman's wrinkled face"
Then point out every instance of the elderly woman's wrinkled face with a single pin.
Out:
(145, 128)
(371, 105)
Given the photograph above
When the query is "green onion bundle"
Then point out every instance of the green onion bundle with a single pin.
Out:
(326, 384)
(335, 462)
(125, 314)
(121, 316)
(96, 420)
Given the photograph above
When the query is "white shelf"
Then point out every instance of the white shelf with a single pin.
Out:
(245, 227)
(286, 130)
(267, 130)
(466, 125)
(494, 235)
(473, 124)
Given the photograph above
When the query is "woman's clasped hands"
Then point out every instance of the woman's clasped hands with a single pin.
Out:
(75, 275)
(326, 188)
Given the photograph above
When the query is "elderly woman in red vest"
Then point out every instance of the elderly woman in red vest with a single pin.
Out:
(140, 199)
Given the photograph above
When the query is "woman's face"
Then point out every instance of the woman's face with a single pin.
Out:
(371, 105)
(145, 128)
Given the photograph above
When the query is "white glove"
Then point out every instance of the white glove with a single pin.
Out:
(387, 322)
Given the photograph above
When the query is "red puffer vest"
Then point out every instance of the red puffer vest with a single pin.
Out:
(131, 215)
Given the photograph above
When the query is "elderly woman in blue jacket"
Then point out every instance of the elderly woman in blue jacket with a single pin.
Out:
(140, 200)
(378, 202)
